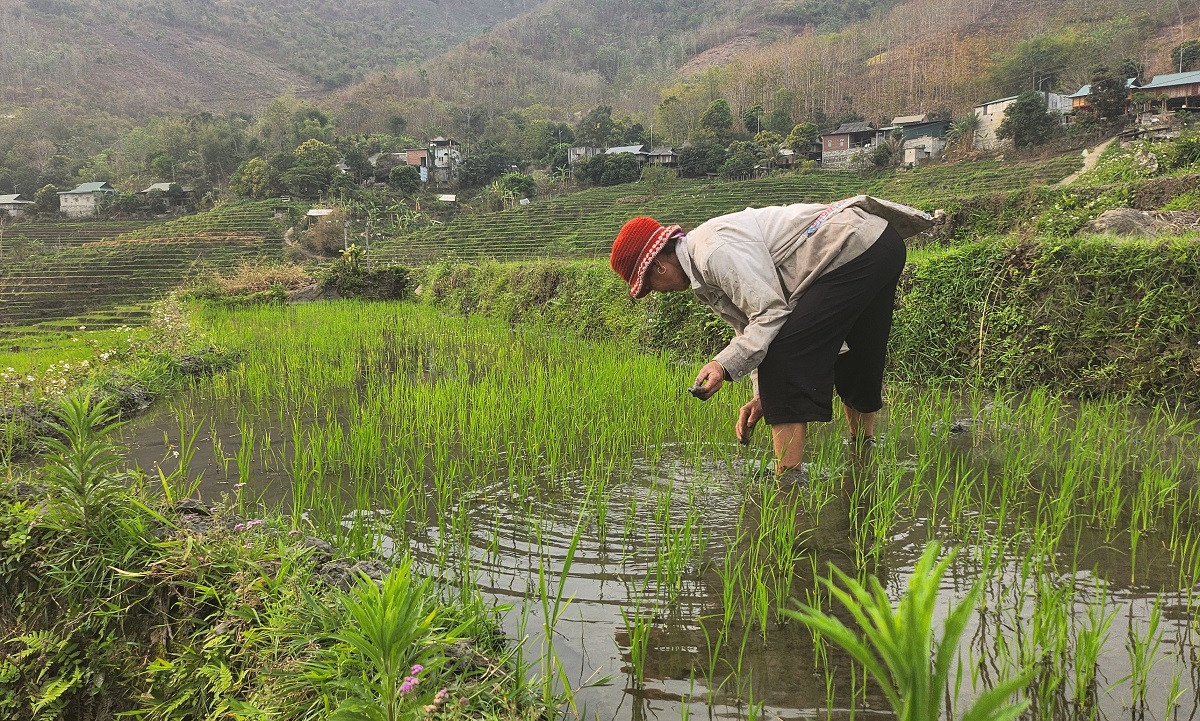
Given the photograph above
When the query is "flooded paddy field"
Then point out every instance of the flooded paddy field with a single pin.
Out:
(643, 560)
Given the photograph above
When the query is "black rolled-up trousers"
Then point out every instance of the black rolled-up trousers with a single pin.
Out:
(852, 303)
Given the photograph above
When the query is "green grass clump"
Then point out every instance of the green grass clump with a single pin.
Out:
(112, 608)
(897, 647)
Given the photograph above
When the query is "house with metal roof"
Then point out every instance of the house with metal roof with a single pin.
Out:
(1178, 91)
(1079, 98)
(637, 151)
(664, 157)
(839, 148)
(15, 204)
(81, 202)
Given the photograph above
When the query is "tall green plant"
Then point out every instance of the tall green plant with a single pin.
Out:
(79, 474)
(897, 646)
(393, 621)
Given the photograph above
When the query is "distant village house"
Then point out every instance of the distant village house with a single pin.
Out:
(839, 148)
(923, 139)
(1180, 91)
(991, 114)
(174, 195)
(81, 201)
(582, 152)
(663, 157)
(445, 157)
(637, 151)
(16, 205)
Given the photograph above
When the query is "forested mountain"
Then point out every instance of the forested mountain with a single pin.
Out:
(220, 54)
(874, 58)
(147, 89)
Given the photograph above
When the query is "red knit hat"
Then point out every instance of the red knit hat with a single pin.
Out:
(636, 247)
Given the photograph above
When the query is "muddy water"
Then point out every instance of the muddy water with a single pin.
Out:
(515, 544)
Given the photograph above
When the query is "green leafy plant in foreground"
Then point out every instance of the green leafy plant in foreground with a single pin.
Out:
(897, 646)
(80, 470)
(392, 631)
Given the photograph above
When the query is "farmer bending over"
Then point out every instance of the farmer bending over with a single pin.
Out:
(809, 290)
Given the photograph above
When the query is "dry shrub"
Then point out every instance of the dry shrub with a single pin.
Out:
(327, 235)
(261, 277)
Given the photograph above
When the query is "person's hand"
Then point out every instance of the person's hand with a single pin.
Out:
(709, 380)
(748, 417)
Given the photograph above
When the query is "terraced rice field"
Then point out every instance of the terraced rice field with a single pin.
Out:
(109, 273)
(583, 224)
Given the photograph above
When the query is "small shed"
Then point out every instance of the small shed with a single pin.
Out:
(16, 204)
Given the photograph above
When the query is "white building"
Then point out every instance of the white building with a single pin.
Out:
(991, 114)
(15, 204)
(81, 202)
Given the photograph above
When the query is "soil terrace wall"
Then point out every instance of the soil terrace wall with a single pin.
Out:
(1088, 316)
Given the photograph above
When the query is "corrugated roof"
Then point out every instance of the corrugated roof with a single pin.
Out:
(1172, 79)
(663, 151)
(847, 128)
(1086, 90)
(319, 212)
(14, 198)
(626, 149)
(910, 119)
(993, 102)
(164, 187)
(90, 188)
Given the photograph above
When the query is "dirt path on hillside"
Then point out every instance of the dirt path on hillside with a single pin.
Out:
(1090, 158)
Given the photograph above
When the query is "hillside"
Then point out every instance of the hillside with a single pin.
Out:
(662, 63)
(128, 58)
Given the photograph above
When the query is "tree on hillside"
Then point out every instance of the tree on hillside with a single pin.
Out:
(405, 178)
(621, 168)
(1027, 121)
(696, 161)
(46, 199)
(252, 179)
(1108, 98)
(962, 131)
(801, 136)
(1038, 63)
(752, 119)
(740, 161)
(519, 184)
(313, 169)
(1185, 56)
(780, 119)
(718, 120)
(595, 128)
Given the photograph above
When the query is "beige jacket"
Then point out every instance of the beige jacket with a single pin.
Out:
(751, 266)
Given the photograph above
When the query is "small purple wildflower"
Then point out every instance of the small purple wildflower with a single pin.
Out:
(294, 532)
(254, 523)
(417, 669)
(409, 683)
(240, 527)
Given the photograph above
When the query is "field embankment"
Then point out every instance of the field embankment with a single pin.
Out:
(1089, 316)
